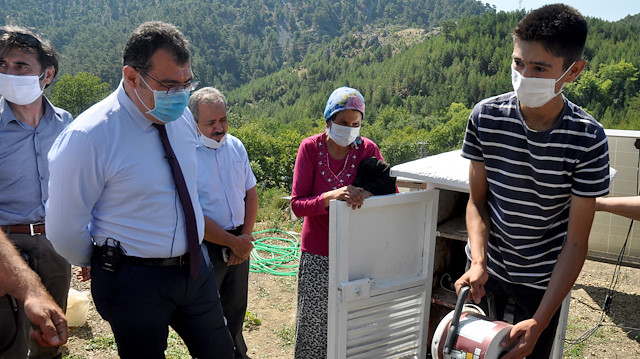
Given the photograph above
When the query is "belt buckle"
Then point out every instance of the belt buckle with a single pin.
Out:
(182, 260)
(33, 233)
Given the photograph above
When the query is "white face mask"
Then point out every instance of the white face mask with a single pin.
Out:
(211, 143)
(534, 92)
(21, 90)
(343, 135)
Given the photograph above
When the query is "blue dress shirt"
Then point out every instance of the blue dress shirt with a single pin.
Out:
(224, 177)
(24, 171)
(110, 179)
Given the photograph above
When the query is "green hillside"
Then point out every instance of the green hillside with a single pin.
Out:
(421, 65)
(234, 41)
(419, 97)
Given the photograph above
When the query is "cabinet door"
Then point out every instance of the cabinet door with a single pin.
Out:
(381, 264)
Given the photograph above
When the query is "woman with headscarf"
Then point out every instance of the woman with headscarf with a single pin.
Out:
(325, 169)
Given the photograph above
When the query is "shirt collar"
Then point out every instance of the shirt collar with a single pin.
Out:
(131, 108)
(7, 116)
(199, 142)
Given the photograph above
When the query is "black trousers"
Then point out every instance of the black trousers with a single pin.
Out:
(232, 283)
(526, 300)
(141, 302)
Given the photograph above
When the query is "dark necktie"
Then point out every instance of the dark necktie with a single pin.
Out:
(185, 201)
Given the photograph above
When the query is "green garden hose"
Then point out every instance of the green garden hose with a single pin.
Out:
(277, 255)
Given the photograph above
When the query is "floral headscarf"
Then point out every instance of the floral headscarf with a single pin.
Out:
(344, 98)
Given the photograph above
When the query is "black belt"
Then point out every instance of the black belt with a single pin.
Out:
(235, 231)
(180, 261)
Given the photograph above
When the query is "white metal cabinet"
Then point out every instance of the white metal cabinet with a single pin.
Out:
(381, 263)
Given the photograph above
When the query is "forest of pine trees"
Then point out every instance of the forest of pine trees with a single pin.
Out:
(420, 64)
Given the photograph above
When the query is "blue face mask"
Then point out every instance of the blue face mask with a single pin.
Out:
(168, 106)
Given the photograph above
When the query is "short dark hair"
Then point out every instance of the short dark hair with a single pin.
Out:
(205, 95)
(561, 29)
(17, 37)
(149, 38)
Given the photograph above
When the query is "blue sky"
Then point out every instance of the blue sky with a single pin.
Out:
(611, 10)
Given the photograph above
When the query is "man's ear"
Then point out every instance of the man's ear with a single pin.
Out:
(576, 69)
(130, 76)
(49, 74)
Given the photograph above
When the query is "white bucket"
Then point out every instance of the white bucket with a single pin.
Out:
(77, 308)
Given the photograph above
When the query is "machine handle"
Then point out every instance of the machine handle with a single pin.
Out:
(452, 335)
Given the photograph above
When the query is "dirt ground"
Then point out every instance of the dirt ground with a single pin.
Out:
(270, 324)
(619, 334)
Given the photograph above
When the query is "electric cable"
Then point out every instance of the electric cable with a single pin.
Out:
(608, 299)
(277, 254)
(446, 288)
(606, 306)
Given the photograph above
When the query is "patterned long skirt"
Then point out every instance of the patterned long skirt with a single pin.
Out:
(312, 310)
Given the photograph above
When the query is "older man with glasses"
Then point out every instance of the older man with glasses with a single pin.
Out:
(29, 124)
(123, 201)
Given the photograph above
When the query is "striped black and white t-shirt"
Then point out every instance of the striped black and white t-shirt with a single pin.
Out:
(531, 177)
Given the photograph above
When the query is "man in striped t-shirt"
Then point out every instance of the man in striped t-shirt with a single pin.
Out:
(538, 162)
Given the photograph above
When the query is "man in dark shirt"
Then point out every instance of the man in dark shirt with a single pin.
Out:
(538, 162)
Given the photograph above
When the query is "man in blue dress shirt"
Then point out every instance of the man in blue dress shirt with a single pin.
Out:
(229, 200)
(29, 124)
(114, 204)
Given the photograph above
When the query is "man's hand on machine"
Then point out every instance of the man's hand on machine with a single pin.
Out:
(475, 277)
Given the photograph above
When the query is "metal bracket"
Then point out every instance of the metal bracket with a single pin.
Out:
(354, 290)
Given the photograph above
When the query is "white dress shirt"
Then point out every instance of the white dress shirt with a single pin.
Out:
(109, 178)
(224, 177)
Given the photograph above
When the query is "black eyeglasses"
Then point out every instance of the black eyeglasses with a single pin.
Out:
(190, 86)
(20, 38)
